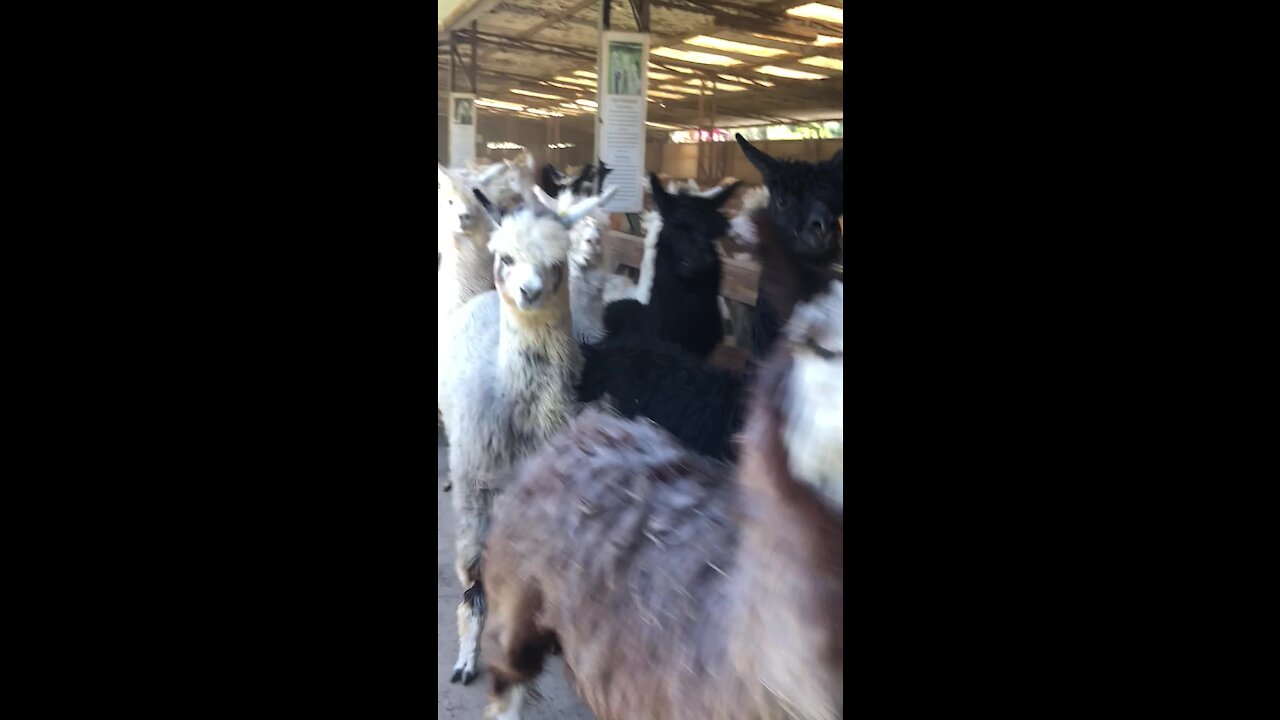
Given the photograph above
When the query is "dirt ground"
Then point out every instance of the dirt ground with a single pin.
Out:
(559, 701)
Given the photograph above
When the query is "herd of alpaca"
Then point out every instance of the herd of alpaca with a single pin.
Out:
(673, 528)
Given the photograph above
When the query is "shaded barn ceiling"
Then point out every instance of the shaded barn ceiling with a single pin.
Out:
(548, 47)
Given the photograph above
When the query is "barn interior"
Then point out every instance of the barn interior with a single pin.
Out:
(773, 71)
(768, 69)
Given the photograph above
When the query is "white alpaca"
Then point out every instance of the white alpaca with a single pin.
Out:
(466, 266)
(741, 225)
(509, 384)
(587, 279)
(512, 189)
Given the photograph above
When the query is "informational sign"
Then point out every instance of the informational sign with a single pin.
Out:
(624, 75)
(462, 129)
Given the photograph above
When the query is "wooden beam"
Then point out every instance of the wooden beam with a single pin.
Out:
(640, 10)
(475, 57)
(553, 19)
(703, 7)
(509, 42)
(467, 12)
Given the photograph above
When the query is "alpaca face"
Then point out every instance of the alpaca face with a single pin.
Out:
(814, 407)
(511, 188)
(691, 224)
(526, 285)
(587, 242)
(458, 211)
(529, 255)
(806, 200)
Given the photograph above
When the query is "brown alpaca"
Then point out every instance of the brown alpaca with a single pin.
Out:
(674, 586)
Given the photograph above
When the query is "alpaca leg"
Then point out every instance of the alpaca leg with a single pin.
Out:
(471, 617)
(506, 704)
(472, 506)
(518, 648)
(470, 626)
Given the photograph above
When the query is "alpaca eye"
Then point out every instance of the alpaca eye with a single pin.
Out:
(506, 260)
(782, 202)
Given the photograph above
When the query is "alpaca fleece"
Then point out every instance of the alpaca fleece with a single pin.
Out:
(674, 586)
(683, 305)
(702, 406)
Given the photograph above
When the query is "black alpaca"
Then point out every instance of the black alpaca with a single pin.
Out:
(682, 309)
(799, 236)
(552, 181)
(700, 405)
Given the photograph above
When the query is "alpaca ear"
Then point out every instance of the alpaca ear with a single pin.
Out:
(550, 179)
(489, 209)
(576, 186)
(763, 163)
(603, 172)
(660, 196)
(580, 210)
(547, 201)
(491, 172)
(718, 196)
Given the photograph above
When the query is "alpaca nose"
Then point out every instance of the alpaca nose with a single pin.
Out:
(465, 218)
(530, 294)
(818, 225)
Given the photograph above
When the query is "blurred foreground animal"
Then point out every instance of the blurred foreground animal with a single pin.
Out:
(676, 587)
(798, 235)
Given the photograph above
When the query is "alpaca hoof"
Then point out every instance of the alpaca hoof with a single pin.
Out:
(457, 675)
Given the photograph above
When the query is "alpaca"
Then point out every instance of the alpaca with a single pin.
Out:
(621, 288)
(797, 234)
(552, 181)
(465, 265)
(519, 181)
(741, 225)
(675, 587)
(508, 384)
(589, 180)
(683, 306)
(638, 376)
(587, 279)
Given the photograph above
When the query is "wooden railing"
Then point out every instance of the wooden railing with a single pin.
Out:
(741, 277)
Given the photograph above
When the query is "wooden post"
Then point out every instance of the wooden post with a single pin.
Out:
(475, 57)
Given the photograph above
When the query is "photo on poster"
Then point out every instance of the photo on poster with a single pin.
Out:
(462, 111)
(625, 68)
